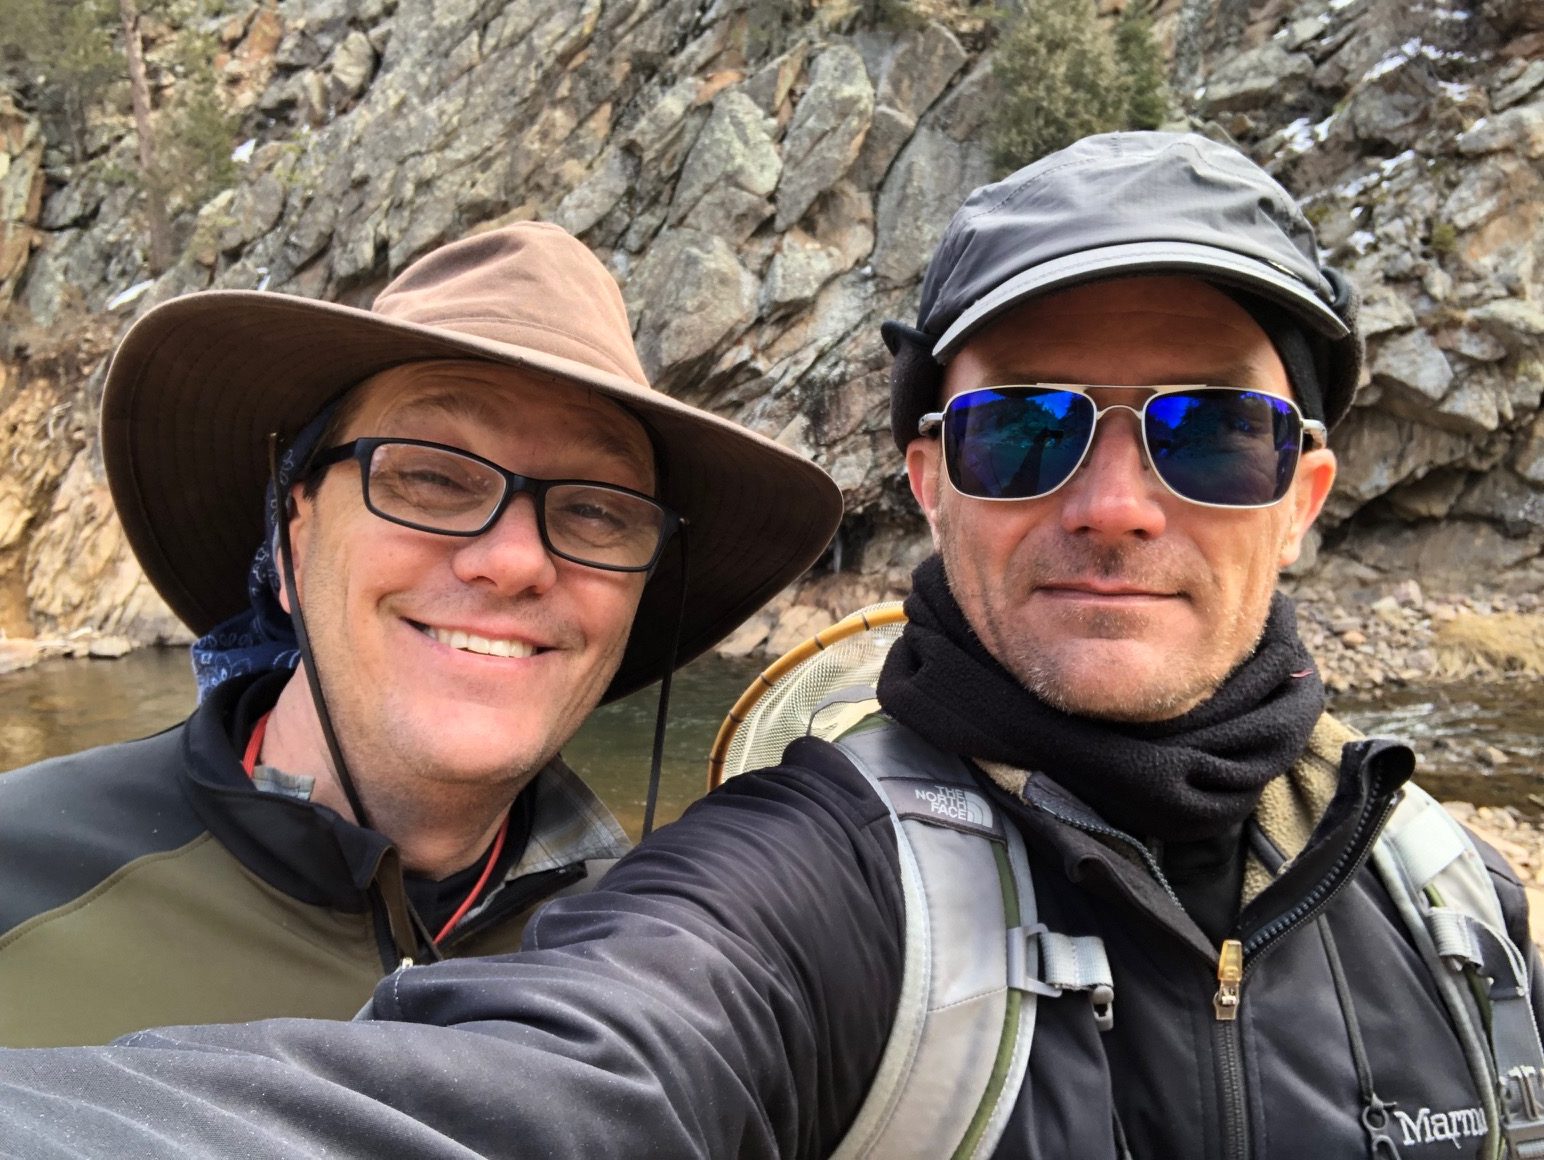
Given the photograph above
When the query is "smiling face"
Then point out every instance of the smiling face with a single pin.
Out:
(1112, 597)
(464, 661)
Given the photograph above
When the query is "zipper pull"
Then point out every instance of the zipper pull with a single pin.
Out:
(1230, 978)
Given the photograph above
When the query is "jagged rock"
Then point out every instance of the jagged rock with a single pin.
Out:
(1527, 80)
(798, 271)
(688, 294)
(1412, 360)
(1519, 129)
(254, 210)
(598, 194)
(21, 193)
(1517, 323)
(352, 66)
(1377, 450)
(1429, 497)
(826, 132)
(1529, 460)
(735, 152)
(889, 130)
(1471, 406)
(920, 68)
(944, 159)
(1504, 499)
(1254, 77)
(1384, 309)
(770, 87)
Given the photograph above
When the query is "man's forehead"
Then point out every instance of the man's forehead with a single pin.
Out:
(1134, 331)
(501, 399)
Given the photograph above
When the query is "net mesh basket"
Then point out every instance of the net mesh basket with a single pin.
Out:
(819, 689)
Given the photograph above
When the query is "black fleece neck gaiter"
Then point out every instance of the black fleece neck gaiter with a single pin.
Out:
(1193, 777)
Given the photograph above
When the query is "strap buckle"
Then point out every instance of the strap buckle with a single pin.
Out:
(1522, 1105)
(1066, 963)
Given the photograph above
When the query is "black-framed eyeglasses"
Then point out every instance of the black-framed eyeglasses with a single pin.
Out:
(431, 487)
(1226, 447)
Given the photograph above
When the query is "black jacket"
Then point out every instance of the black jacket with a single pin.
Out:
(729, 988)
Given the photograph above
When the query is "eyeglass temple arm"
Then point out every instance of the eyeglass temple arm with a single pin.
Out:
(931, 423)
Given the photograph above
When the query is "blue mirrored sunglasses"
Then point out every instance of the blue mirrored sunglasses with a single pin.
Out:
(1217, 446)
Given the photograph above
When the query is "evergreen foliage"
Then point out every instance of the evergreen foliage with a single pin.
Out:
(73, 57)
(1062, 74)
(65, 51)
(1142, 66)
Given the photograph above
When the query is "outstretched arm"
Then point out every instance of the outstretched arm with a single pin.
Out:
(726, 992)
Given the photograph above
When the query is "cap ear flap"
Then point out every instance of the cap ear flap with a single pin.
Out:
(1344, 356)
(915, 379)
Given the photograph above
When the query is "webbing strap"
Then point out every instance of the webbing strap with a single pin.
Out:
(1442, 888)
(1466, 942)
(1066, 963)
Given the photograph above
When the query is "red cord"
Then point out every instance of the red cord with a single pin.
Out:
(493, 856)
(255, 744)
(249, 763)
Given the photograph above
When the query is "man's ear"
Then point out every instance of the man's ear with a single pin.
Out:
(923, 469)
(300, 510)
(1311, 487)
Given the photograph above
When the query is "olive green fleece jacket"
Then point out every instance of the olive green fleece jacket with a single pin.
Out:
(151, 883)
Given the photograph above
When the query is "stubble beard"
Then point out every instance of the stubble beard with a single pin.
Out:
(1185, 680)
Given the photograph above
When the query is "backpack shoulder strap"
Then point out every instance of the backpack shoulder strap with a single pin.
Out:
(975, 958)
(1445, 894)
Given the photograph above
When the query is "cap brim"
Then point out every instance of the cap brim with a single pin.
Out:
(1135, 259)
(198, 384)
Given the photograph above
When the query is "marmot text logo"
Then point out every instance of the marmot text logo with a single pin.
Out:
(1429, 1127)
(955, 804)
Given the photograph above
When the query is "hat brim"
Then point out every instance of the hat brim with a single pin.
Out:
(199, 382)
(1137, 259)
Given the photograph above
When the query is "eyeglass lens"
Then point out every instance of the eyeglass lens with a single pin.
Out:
(437, 489)
(1212, 445)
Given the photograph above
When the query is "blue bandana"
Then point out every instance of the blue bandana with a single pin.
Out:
(261, 638)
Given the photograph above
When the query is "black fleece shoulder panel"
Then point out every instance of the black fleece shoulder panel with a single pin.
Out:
(69, 823)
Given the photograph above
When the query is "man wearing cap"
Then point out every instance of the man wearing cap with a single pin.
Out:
(489, 524)
(1112, 411)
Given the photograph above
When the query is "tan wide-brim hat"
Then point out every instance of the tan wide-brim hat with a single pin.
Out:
(199, 383)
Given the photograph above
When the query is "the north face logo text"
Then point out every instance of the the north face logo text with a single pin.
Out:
(956, 805)
(1429, 1127)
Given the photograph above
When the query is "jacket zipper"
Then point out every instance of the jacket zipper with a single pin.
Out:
(1235, 959)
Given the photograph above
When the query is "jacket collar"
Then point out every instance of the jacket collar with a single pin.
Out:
(313, 854)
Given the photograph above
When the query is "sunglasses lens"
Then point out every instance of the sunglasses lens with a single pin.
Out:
(1015, 443)
(1224, 446)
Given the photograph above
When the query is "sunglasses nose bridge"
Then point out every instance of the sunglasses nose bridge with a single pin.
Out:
(1139, 413)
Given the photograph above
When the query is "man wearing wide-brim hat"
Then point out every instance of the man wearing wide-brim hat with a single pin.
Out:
(480, 522)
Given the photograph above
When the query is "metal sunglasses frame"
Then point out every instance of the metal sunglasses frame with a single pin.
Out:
(361, 450)
(1314, 434)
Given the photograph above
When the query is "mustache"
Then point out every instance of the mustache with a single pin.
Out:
(1151, 567)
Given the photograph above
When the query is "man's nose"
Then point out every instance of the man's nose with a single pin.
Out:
(510, 555)
(1115, 492)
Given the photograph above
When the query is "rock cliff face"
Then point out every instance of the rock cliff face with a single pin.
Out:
(766, 179)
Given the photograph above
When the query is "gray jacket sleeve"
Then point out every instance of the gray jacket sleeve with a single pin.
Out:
(726, 992)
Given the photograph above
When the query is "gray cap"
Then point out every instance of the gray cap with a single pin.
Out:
(1122, 205)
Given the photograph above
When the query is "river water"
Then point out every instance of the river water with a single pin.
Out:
(61, 706)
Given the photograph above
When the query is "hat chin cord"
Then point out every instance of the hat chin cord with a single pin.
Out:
(662, 710)
(324, 718)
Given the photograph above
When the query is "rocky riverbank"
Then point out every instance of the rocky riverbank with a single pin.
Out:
(1403, 636)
